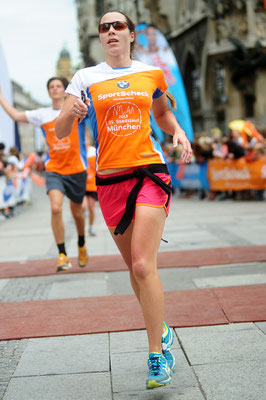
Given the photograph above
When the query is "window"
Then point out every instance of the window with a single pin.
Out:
(219, 78)
(195, 86)
(249, 100)
(191, 81)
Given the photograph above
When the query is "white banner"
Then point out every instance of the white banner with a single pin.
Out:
(14, 191)
(7, 129)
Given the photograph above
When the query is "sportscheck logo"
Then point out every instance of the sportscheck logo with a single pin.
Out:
(123, 84)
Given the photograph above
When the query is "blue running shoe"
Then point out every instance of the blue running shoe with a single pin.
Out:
(167, 341)
(159, 372)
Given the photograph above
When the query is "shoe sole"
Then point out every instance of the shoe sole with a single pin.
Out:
(83, 265)
(153, 384)
(64, 267)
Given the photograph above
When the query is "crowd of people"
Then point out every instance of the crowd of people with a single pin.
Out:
(13, 161)
(241, 140)
(11, 167)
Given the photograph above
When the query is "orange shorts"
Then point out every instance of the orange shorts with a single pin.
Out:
(113, 198)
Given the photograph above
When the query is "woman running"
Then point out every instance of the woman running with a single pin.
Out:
(133, 183)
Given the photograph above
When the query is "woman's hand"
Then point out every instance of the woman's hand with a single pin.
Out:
(80, 108)
(73, 108)
(180, 138)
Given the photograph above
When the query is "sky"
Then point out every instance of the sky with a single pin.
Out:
(32, 34)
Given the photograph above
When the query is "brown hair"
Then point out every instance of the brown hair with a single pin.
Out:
(61, 79)
(13, 151)
(131, 26)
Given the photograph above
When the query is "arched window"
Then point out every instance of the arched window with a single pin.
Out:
(219, 78)
(219, 93)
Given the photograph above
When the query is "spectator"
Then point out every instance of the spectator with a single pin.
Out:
(15, 158)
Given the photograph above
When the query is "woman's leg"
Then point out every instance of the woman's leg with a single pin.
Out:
(123, 243)
(139, 247)
(146, 237)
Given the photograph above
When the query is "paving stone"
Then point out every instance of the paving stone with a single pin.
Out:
(130, 371)
(24, 289)
(3, 282)
(62, 355)
(223, 343)
(10, 354)
(236, 380)
(261, 326)
(229, 280)
(82, 287)
(68, 387)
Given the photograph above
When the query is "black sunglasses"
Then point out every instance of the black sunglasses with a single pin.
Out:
(117, 25)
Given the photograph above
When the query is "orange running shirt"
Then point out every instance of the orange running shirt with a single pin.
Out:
(119, 113)
(91, 171)
(65, 156)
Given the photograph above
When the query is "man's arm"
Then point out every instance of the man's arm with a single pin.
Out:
(18, 116)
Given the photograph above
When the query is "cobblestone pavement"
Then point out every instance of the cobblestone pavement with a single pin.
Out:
(10, 354)
(24, 289)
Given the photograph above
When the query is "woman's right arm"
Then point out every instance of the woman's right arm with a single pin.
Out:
(73, 108)
(18, 116)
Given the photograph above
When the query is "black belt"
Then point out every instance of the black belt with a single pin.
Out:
(140, 174)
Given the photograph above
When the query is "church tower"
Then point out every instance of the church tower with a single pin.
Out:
(64, 67)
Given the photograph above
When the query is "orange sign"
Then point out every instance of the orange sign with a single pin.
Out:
(237, 174)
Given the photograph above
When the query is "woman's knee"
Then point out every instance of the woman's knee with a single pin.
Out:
(142, 269)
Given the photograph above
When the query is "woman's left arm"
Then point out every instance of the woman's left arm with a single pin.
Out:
(168, 123)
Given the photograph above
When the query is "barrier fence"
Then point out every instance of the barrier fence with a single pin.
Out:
(14, 191)
(220, 175)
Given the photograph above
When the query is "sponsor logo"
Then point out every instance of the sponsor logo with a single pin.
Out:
(60, 145)
(123, 119)
(123, 84)
(123, 93)
(228, 174)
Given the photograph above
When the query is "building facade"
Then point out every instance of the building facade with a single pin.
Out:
(220, 46)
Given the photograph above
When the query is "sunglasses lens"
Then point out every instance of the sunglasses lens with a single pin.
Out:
(119, 26)
(104, 28)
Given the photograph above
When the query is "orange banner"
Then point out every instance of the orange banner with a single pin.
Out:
(237, 174)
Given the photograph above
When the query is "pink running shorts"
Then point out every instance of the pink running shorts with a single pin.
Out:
(113, 198)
